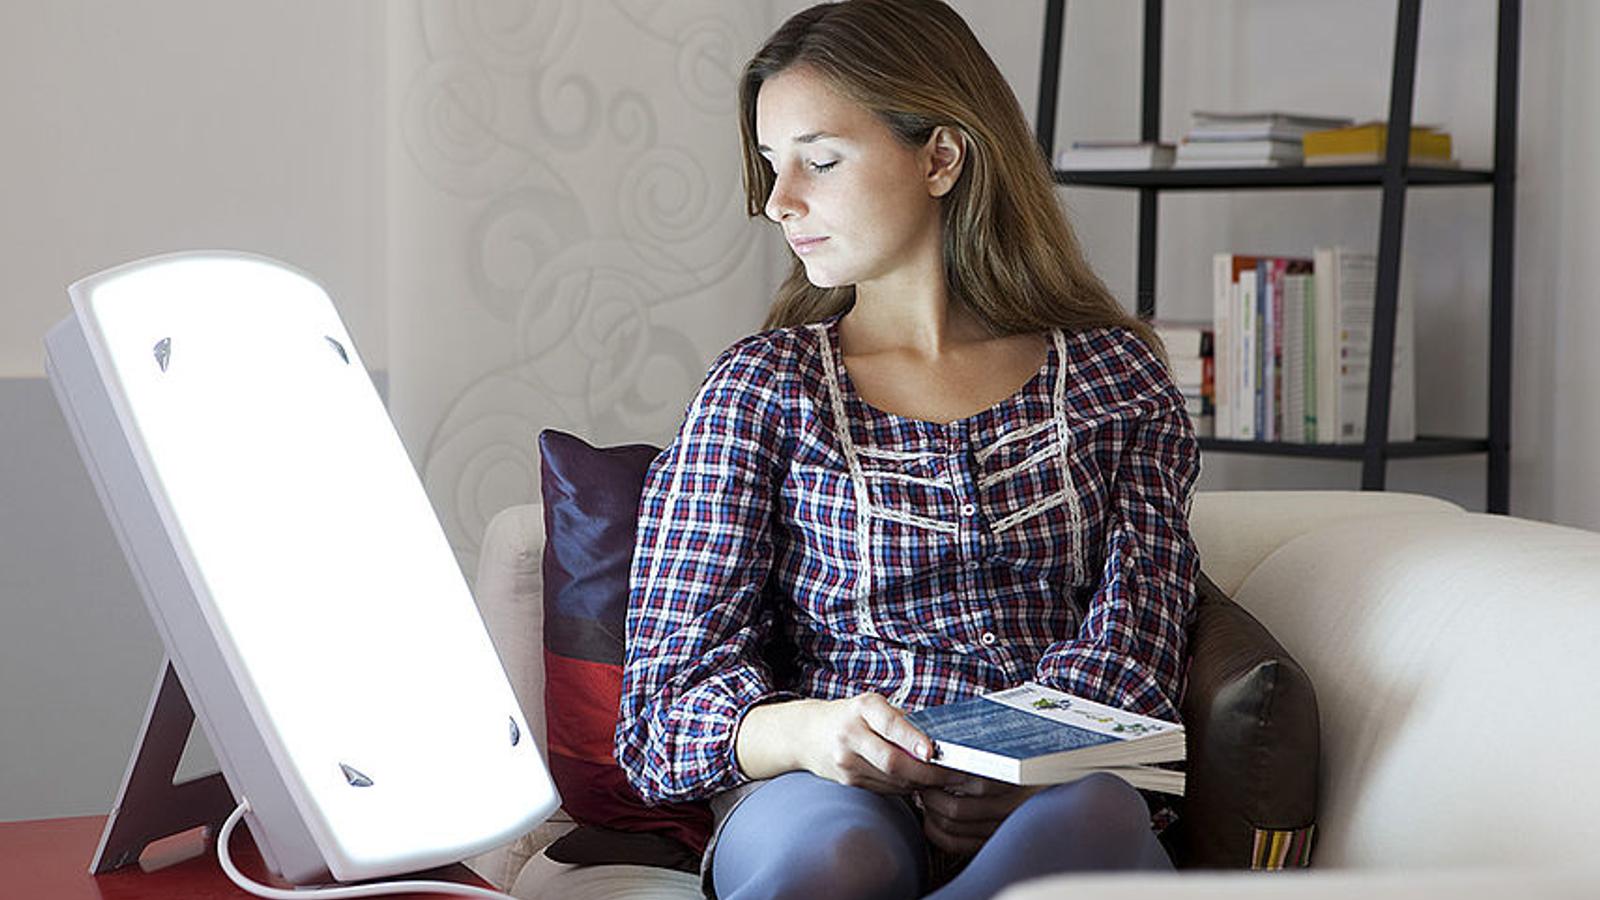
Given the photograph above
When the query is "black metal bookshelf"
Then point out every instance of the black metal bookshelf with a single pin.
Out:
(1392, 177)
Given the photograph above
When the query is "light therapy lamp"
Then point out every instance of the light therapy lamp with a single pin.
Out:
(314, 616)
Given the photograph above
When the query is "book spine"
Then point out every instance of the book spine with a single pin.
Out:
(1294, 354)
(1263, 366)
(1325, 273)
(1311, 341)
(1222, 323)
(1275, 398)
(1357, 274)
(1247, 347)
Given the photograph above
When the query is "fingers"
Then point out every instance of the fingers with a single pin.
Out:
(985, 812)
(864, 741)
(893, 725)
(896, 747)
(962, 817)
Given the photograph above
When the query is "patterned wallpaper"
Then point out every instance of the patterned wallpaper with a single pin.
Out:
(567, 241)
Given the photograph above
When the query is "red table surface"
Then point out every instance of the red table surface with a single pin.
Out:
(46, 859)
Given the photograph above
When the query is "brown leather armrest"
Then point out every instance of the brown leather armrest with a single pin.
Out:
(1250, 716)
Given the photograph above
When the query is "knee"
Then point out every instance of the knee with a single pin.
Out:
(854, 862)
(838, 844)
(1101, 802)
(866, 862)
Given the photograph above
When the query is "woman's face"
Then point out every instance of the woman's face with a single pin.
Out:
(855, 203)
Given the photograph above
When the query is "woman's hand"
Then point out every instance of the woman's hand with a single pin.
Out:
(861, 741)
(959, 817)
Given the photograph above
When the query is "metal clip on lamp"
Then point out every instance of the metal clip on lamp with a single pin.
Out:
(313, 614)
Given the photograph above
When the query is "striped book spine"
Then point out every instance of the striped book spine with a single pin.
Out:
(1282, 848)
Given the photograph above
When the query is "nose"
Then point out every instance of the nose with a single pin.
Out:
(783, 203)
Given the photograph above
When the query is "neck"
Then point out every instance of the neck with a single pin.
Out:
(908, 314)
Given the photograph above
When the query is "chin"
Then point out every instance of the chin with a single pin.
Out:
(822, 277)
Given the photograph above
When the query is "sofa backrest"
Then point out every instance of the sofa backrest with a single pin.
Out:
(1455, 660)
(1236, 530)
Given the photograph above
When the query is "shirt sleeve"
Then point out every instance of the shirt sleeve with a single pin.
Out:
(697, 619)
(1129, 648)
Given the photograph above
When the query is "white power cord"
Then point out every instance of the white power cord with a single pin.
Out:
(332, 893)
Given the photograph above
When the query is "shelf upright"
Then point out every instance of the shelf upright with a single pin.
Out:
(1502, 228)
(1392, 177)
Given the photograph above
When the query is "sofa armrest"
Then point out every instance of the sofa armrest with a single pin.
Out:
(509, 592)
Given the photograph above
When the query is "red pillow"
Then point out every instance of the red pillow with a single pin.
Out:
(591, 506)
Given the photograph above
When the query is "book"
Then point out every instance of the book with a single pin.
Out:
(1254, 163)
(1240, 152)
(1187, 339)
(1299, 417)
(1115, 155)
(1224, 321)
(1248, 370)
(1375, 159)
(1264, 378)
(1346, 283)
(1266, 120)
(1033, 734)
(1249, 357)
(1373, 137)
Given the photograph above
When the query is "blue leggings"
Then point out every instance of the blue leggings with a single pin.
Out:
(802, 836)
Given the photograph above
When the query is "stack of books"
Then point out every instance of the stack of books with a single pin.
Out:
(1364, 144)
(1115, 155)
(1248, 139)
(1190, 352)
(1293, 346)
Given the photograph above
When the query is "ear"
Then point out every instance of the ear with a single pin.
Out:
(944, 155)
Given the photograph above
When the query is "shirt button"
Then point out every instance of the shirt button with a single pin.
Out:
(968, 509)
(988, 639)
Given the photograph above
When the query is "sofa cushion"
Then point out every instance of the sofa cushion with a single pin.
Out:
(591, 501)
(1250, 716)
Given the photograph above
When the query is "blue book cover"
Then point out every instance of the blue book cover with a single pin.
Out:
(1001, 729)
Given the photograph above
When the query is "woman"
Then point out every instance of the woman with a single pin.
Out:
(952, 463)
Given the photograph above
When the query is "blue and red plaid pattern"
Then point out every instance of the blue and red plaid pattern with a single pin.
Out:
(794, 541)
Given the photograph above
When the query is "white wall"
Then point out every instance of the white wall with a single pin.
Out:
(530, 231)
(139, 128)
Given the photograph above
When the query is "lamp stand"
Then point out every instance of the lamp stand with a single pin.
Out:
(150, 806)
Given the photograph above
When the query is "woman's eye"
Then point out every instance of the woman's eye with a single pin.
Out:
(822, 167)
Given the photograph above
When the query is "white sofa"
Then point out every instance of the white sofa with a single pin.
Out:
(1456, 659)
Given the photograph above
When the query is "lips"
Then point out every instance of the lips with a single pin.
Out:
(804, 244)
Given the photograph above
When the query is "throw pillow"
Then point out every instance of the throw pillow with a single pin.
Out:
(591, 505)
(1250, 715)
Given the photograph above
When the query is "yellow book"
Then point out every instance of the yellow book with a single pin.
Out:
(1372, 137)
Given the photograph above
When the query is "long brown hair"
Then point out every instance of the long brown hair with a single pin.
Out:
(1009, 253)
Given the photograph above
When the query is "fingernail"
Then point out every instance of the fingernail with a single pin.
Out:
(922, 752)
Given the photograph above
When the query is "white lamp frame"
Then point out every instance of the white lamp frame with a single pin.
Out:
(346, 778)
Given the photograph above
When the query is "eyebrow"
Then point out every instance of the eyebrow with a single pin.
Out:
(810, 137)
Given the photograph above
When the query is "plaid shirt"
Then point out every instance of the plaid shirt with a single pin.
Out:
(794, 541)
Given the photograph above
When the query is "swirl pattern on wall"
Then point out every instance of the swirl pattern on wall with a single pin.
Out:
(569, 241)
